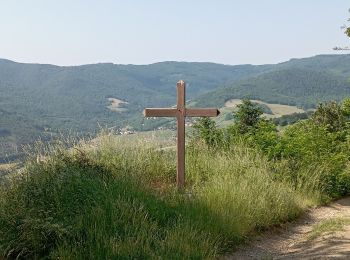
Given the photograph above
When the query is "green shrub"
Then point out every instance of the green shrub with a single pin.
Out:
(206, 129)
(330, 115)
(263, 136)
(306, 144)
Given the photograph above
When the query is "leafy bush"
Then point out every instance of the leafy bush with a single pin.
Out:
(263, 136)
(205, 128)
(329, 115)
(306, 143)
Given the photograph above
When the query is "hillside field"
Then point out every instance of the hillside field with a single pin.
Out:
(276, 109)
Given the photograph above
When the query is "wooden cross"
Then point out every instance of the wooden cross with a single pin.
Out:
(180, 112)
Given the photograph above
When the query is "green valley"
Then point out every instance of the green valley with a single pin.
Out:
(41, 101)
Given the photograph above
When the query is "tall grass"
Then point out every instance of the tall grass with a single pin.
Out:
(109, 198)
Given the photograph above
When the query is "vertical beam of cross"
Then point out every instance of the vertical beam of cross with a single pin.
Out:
(180, 112)
(181, 87)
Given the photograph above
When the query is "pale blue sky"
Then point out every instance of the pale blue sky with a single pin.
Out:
(71, 32)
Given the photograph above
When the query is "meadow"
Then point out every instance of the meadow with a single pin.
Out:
(114, 197)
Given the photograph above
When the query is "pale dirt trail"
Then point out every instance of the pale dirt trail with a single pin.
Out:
(291, 242)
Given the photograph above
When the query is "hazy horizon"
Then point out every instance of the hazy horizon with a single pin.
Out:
(225, 32)
(185, 61)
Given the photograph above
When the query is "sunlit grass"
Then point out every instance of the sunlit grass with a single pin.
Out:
(114, 197)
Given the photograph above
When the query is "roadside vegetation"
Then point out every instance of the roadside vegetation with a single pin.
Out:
(328, 227)
(115, 198)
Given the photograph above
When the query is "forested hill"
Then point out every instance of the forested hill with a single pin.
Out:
(77, 97)
(40, 99)
(292, 86)
(302, 82)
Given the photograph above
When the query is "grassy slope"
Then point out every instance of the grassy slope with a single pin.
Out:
(116, 199)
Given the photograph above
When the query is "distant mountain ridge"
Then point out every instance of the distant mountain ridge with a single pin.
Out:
(47, 98)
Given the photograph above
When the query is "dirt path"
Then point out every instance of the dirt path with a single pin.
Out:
(293, 241)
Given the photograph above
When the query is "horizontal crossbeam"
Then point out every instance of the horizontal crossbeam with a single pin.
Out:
(160, 112)
(172, 112)
(210, 112)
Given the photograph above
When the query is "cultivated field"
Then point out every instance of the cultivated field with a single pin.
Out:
(7, 166)
(277, 109)
(116, 105)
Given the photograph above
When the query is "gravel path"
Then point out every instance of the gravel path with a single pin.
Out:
(291, 242)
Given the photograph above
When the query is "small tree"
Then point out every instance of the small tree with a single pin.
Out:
(347, 28)
(329, 115)
(247, 115)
